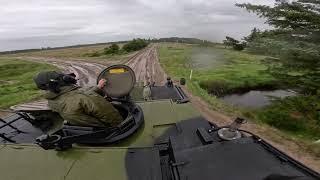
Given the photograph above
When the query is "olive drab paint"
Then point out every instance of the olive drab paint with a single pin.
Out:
(83, 107)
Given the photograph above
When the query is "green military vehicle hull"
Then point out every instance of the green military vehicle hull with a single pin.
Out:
(29, 161)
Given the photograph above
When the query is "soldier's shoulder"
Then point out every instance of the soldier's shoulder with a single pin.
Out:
(73, 95)
(87, 91)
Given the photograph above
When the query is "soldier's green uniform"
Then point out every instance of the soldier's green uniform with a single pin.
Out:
(78, 106)
(83, 107)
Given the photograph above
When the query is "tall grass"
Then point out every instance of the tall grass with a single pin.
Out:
(297, 115)
(16, 83)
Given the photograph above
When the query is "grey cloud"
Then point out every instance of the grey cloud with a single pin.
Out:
(41, 23)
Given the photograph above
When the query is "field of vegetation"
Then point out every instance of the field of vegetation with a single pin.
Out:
(73, 52)
(241, 72)
(93, 53)
(236, 72)
(16, 81)
(100, 53)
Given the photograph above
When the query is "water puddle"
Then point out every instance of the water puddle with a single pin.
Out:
(256, 99)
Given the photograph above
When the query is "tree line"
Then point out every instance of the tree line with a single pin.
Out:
(134, 45)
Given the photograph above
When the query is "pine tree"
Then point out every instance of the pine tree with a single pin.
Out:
(299, 18)
(254, 34)
(295, 39)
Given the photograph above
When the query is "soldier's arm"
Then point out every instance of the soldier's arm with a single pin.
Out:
(101, 109)
(99, 88)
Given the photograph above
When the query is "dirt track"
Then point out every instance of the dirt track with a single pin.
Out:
(86, 72)
(147, 67)
(145, 64)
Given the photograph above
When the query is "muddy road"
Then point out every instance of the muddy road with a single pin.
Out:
(86, 72)
(146, 66)
(144, 63)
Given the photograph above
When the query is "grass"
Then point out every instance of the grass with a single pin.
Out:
(298, 115)
(239, 72)
(176, 60)
(242, 71)
(16, 81)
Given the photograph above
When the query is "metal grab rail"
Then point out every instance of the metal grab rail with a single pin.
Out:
(183, 96)
(9, 124)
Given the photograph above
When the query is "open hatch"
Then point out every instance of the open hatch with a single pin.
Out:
(120, 80)
(35, 128)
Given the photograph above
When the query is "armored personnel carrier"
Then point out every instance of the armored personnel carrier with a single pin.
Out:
(162, 137)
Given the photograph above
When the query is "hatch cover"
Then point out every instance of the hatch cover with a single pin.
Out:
(120, 80)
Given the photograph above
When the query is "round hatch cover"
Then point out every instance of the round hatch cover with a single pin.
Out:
(120, 80)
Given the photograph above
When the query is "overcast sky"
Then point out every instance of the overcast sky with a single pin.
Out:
(50, 23)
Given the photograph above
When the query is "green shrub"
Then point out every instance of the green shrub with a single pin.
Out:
(239, 47)
(215, 87)
(306, 57)
(113, 49)
(94, 54)
(299, 115)
(135, 44)
(236, 45)
(281, 120)
(223, 87)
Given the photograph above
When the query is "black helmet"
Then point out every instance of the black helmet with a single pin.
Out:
(44, 78)
(52, 80)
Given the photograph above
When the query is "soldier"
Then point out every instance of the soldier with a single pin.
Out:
(78, 106)
(169, 82)
(147, 92)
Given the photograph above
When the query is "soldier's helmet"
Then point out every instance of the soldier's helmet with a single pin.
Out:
(46, 80)
(43, 79)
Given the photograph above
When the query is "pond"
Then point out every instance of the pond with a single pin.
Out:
(256, 99)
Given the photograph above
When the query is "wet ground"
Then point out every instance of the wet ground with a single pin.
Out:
(144, 63)
(256, 99)
(86, 72)
(146, 66)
